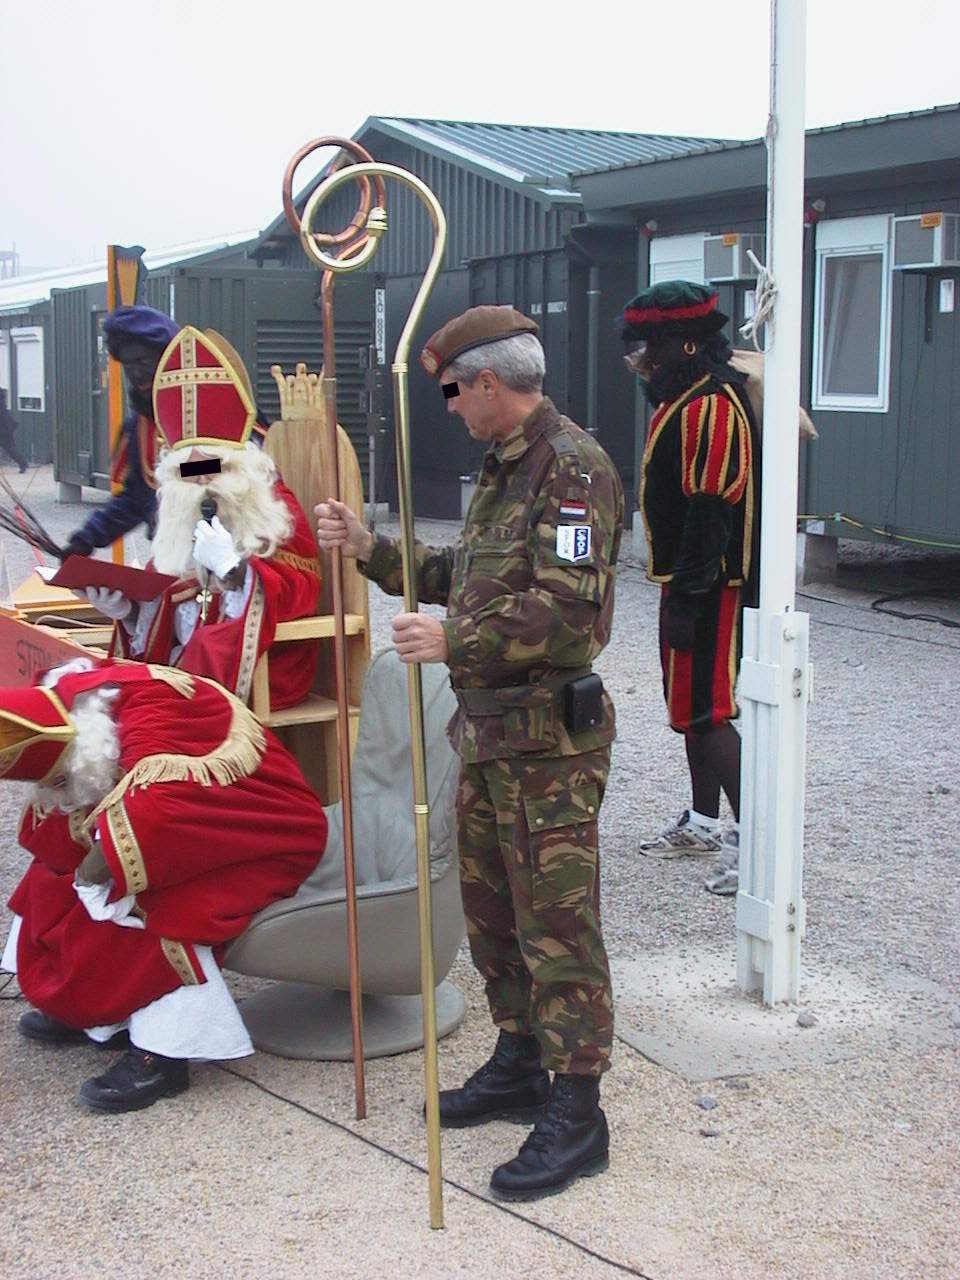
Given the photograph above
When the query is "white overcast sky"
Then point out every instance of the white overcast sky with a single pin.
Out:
(161, 122)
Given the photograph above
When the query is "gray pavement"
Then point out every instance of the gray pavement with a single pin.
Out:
(816, 1166)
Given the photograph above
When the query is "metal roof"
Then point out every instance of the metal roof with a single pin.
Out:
(544, 156)
(17, 293)
(732, 144)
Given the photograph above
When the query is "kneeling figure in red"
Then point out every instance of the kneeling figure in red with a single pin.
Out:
(164, 817)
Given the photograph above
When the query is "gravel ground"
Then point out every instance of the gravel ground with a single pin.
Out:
(847, 1170)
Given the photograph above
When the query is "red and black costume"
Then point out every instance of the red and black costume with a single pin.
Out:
(699, 507)
(698, 498)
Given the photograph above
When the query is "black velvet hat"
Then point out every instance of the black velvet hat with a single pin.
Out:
(672, 307)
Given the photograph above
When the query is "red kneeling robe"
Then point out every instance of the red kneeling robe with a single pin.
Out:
(211, 822)
(285, 586)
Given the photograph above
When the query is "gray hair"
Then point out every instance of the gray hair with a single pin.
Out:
(517, 361)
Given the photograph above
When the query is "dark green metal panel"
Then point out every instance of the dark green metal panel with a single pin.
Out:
(553, 288)
(441, 450)
(898, 470)
(79, 372)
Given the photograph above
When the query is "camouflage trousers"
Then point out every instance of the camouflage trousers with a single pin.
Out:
(529, 875)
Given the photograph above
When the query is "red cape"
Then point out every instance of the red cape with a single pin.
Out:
(211, 822)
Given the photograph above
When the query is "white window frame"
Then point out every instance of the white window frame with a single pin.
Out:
(851, 238)
(31, 333)
(677, 249)
(5, 346)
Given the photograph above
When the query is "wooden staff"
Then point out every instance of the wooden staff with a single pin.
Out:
(123, 280)
(345, 242)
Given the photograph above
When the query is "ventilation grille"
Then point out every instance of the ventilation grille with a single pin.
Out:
(288, 342)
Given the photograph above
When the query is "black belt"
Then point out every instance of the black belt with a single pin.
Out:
(494, 702)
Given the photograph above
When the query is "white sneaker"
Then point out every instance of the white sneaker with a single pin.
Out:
(724, 877)
(680, 839)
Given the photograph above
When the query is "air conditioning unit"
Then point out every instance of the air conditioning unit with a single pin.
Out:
(926, 240)
(725, 257)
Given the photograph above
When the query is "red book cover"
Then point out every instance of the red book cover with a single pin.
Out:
(78, 572)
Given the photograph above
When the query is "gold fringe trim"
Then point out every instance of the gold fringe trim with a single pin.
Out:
(181, 681)
(238, 756)
(309, 564)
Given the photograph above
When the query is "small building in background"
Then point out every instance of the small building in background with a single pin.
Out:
(881, 353)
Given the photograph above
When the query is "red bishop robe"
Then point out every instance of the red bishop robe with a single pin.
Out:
(286, 586)
(211, 822)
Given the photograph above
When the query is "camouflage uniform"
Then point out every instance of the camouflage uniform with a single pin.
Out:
(529, 595)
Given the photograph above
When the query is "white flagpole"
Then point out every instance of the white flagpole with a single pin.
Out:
(775, 677)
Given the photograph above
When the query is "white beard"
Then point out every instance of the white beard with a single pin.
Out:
(91, 765)
(246, 504)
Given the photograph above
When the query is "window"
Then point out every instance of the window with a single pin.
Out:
(852, 328)
(677, 258)
(5, 364)
(28, 350)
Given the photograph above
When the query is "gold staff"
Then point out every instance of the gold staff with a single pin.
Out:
(348, 241)
(376, 225)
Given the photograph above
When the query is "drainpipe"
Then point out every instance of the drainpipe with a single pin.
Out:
(593, 349)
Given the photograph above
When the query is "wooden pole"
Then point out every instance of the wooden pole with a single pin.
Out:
(123, 280)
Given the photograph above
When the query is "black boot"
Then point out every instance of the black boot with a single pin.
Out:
(512, 1085)
(39, 1026)
(135, 1081)
(570, 1141)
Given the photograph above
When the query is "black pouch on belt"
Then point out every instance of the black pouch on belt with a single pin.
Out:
(583, 703)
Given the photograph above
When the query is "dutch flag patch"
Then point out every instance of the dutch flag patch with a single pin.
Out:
(573, 508)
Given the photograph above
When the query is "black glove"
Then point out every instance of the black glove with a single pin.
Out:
(79, 545)
(679, 621)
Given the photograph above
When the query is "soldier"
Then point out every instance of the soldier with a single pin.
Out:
(700, 510)
(529, 596)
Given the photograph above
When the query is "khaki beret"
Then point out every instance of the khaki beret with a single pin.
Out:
(475, 328)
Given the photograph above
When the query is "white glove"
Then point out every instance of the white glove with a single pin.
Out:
(112, 604)
(213, 547)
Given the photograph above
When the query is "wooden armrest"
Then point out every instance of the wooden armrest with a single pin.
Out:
(319, 627)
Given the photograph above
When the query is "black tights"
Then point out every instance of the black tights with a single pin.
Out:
(714, 760)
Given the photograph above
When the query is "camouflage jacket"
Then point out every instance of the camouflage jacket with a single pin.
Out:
(528, 589)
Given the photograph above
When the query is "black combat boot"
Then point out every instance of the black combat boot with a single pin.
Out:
(135, 1081)
(569, 1141)
(512, 1085)
(40, 1026)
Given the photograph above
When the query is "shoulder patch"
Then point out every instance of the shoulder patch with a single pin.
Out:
(574, 542)
(563, 444)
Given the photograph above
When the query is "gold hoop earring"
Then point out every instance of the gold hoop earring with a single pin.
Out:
(690, 347)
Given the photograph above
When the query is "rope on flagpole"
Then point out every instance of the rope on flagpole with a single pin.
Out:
(766, 296)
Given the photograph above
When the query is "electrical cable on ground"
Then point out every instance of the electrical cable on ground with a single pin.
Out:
(17, 995)
(838, 517)
(457, 1186)
(937, 593)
